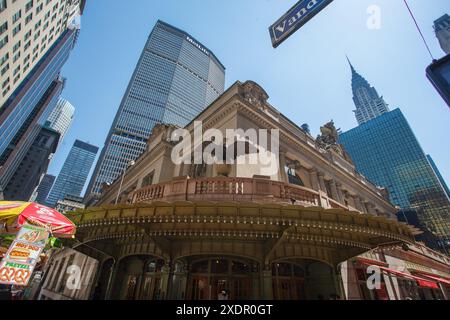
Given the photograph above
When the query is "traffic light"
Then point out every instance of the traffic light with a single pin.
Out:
(439, 75)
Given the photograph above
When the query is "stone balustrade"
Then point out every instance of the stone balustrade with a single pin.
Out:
(232, 189)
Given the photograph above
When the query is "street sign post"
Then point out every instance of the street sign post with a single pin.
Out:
(295, 18)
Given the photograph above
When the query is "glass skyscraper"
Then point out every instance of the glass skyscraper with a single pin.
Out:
(387, 152)
(369, 104)
(74, 173)
(26, 111)
(41, 194)
(61, 118)
(175, 79)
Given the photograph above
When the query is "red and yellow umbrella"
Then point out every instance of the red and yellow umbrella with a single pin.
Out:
(16, 214)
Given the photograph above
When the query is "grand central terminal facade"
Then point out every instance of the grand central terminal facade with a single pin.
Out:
(308, 231)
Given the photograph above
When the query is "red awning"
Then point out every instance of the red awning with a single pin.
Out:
(427, 284)
(435, 277)
(424, 283)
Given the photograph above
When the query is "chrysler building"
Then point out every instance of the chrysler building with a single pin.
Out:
(369, 104)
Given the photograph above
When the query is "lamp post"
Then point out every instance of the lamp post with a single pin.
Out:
(130, 164)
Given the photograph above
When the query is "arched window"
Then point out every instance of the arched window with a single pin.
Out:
(293, 177)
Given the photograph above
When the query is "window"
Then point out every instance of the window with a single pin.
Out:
(16, 46)
(27, 36)
(28, 6)
(16, 56)
(4, 59)
(5, 83)
(17, 16)
(37, 25)
(39, 8)
(28, 18)
(148, 180)
(17, 29)
(5, 91)
(2, 5)
(3, 27)
(293, 177)
(16, 71)
(3, 41)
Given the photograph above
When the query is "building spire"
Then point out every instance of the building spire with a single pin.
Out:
(350, 63)
(369, 104)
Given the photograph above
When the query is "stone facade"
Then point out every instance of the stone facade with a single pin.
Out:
(190, 231)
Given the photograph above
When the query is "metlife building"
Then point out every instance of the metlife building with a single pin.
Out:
(175, 79)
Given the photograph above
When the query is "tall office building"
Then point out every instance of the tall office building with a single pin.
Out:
(41, 193)
(74, 173)
(28, 29)
(439, 175)
(387, 152)
(26, 133)
(442, 30)
(368, 102)
(61, 118)
(175, 79)
(35, 42)
(35, 163)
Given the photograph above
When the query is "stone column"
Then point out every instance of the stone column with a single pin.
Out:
(350, 284)
(359, 204)
(337, 277)
(165, 275)
(267, 285)
(321, 176)
(283, 175)
(112, 278)
(170, 280)
(314, 180)
(371, 208)
(340, 194)
(334, 191)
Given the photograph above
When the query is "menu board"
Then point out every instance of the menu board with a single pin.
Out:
(22, 256)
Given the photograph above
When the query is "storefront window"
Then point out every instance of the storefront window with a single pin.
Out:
(240, 268)
(200, 267)
(223, 279)
(284, 270)
(219, 266)
(154, 266)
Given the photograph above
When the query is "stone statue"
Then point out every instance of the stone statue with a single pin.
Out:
(329, 140)
(329, 136)
(254, 94)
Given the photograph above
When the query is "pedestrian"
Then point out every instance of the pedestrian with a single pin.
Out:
(223, 295)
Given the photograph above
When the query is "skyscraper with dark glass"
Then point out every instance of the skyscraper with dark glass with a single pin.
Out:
(175, 79)
(387, 152)
(74, 173)
(42, 191)
(439, 175)
(368, 102)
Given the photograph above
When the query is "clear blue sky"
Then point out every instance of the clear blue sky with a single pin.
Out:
(307, 77)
